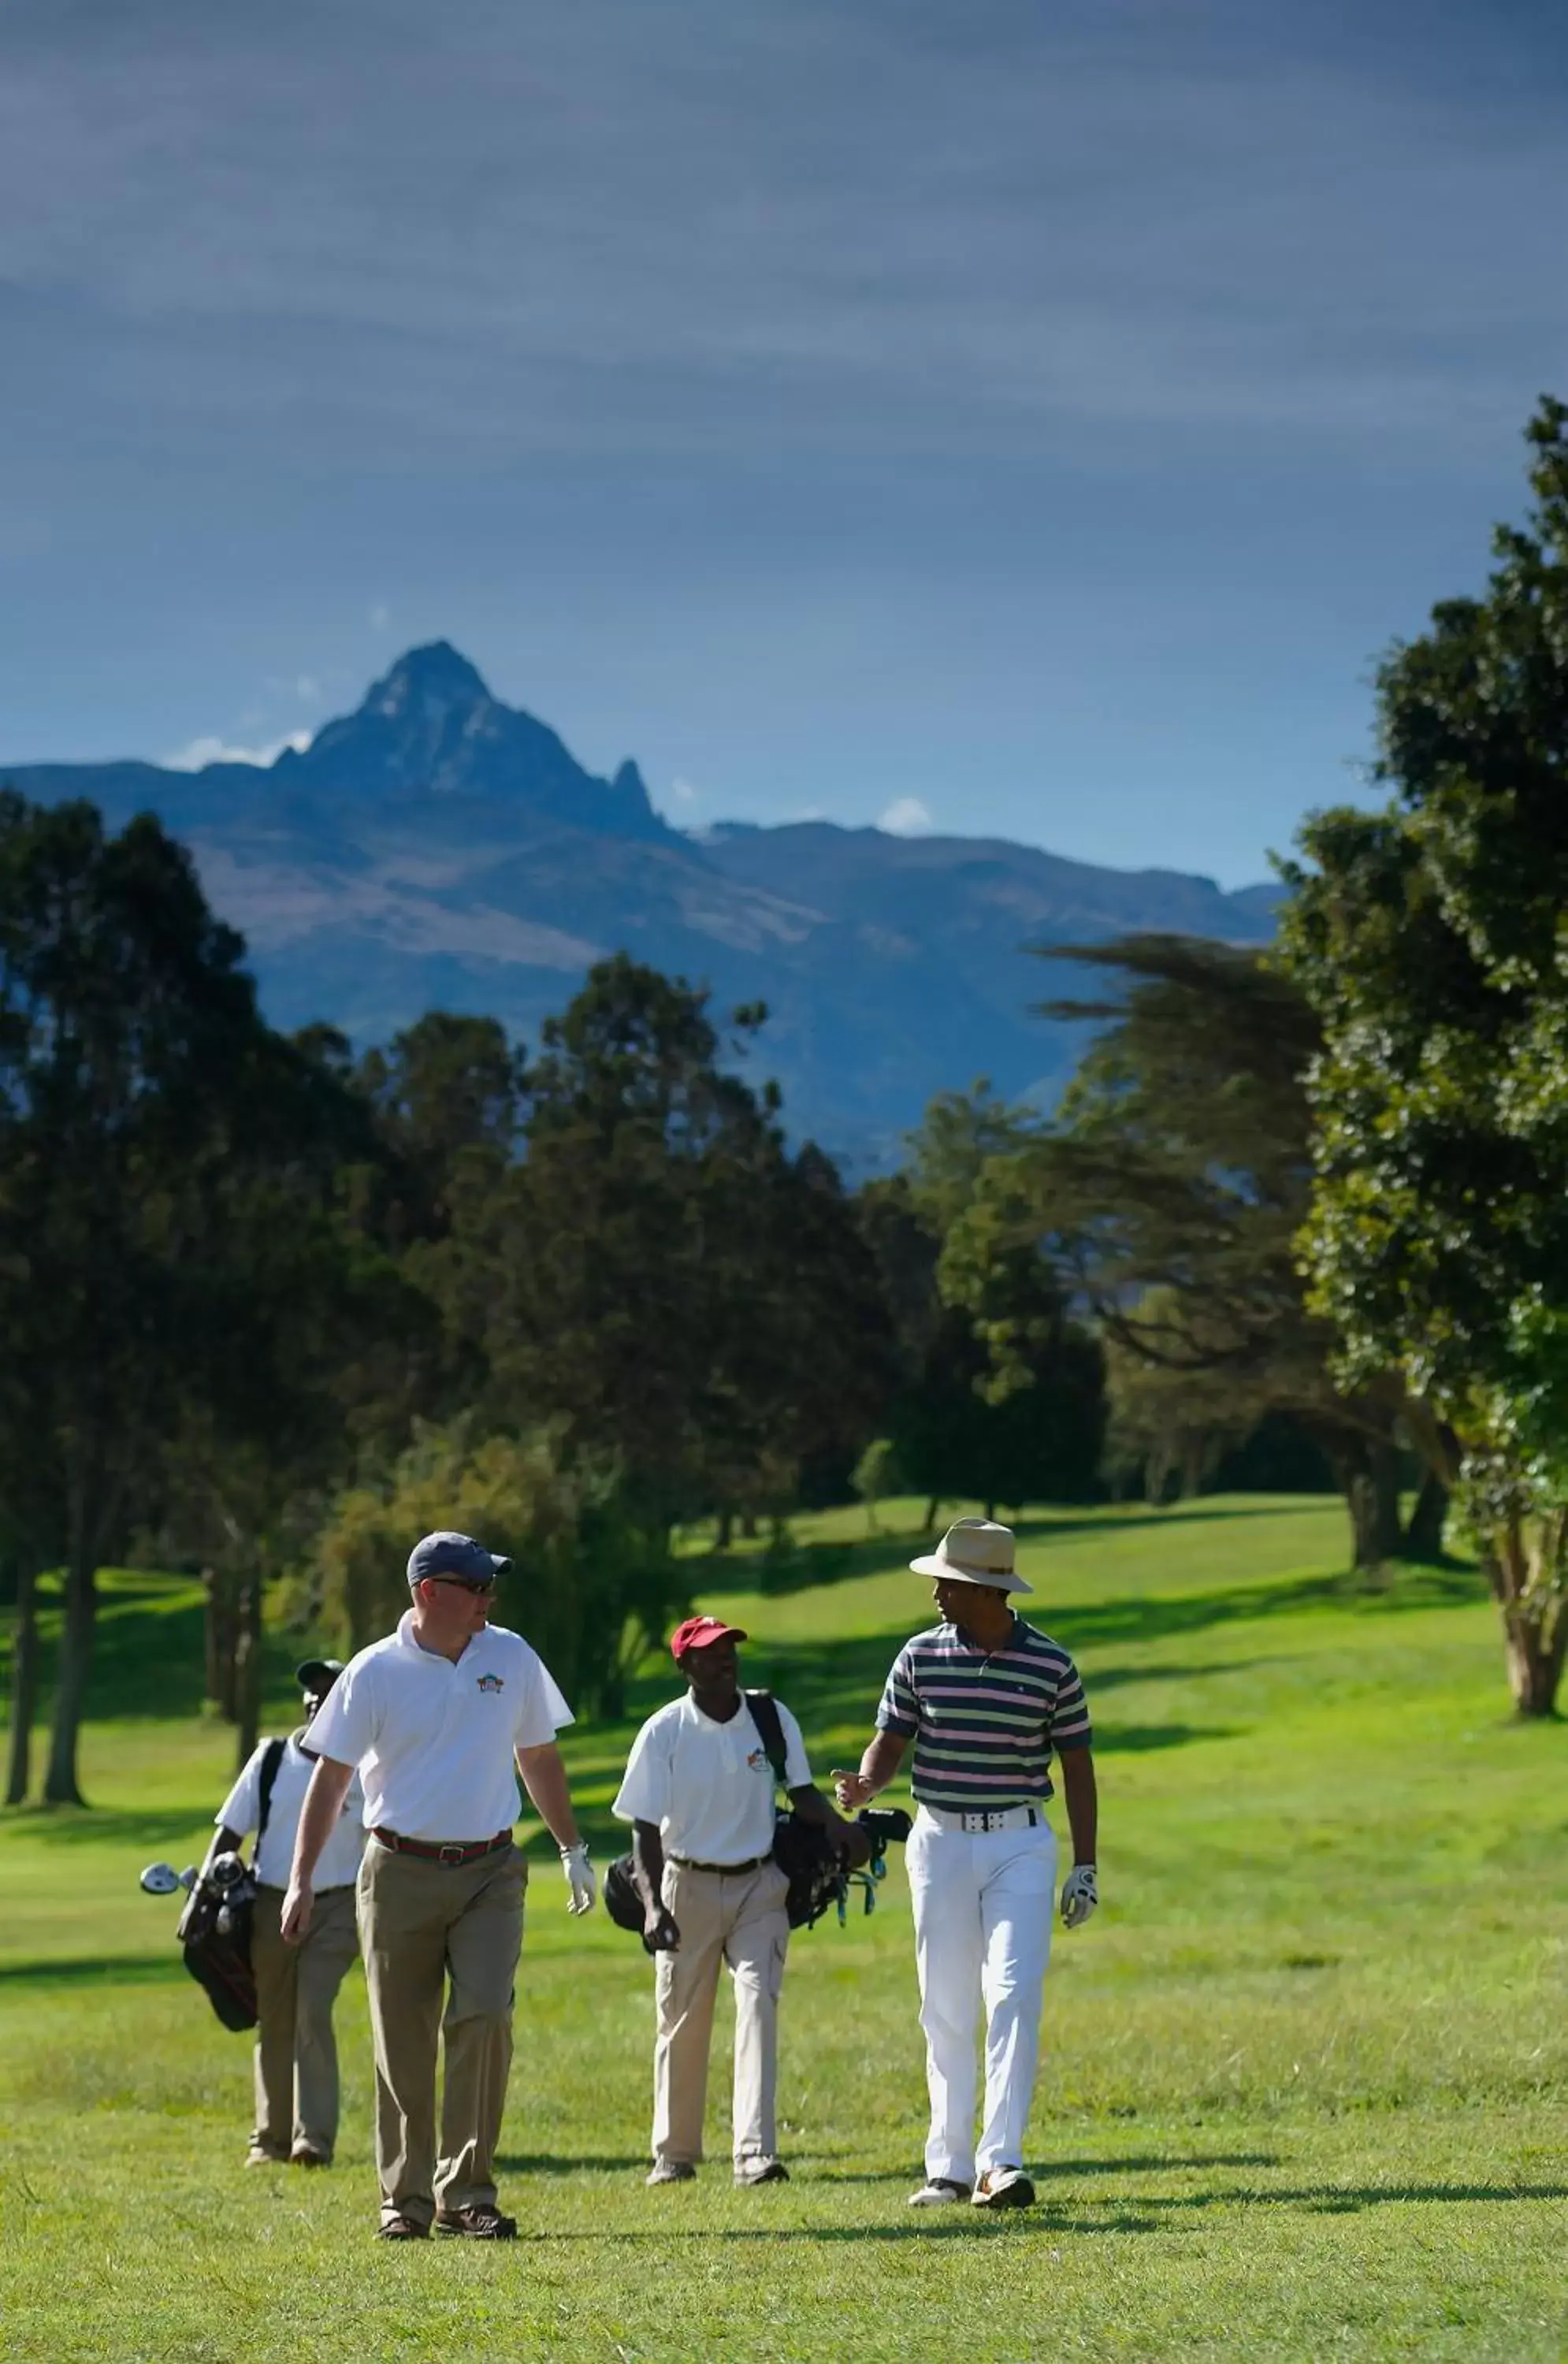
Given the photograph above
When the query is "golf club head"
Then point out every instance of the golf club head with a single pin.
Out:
(161, 1879)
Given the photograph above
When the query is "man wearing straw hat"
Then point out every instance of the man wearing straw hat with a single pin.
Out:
(986, 1700)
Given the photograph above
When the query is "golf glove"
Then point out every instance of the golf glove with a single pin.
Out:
(1080, 1894)
(579, 1878)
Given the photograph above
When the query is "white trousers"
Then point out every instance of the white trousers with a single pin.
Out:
(983, 1917)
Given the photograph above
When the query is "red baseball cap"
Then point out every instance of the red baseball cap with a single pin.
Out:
(698, 1632)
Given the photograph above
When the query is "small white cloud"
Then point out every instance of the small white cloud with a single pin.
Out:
(307, 689)
(381, 615)
(684, 793)
(213, 750)
(905, 817)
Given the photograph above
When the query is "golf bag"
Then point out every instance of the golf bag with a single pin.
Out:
(215, 1927)
(803, 1852)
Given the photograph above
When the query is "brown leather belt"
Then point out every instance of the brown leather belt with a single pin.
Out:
(447, 1851)
(752, 1863)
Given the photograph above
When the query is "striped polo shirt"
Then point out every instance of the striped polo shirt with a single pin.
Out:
(983, 1727)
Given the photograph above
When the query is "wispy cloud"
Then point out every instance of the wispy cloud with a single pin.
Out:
(970, 366)
(213, 750)
(1017, 227)
(684, 793)
(905, 817)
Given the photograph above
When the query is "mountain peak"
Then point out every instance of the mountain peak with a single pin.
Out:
(430, 729)
(426, 683)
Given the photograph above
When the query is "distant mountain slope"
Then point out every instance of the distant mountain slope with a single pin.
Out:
(439, 848)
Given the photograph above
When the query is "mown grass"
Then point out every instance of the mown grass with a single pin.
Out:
(1304, 2085)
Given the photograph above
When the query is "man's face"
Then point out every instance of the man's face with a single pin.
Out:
(313, 1701)
(713, 1668)
(457, 1605)
(958, 1601)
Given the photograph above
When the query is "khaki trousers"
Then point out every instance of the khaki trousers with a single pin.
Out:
(296, 2052)
(421, 1926)
(737, 1918)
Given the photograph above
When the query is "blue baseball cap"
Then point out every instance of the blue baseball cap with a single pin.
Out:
(446, 1553)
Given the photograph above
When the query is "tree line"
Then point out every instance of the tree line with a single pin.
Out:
(273, 1305)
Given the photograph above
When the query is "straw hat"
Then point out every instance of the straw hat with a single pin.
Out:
(974, 1551)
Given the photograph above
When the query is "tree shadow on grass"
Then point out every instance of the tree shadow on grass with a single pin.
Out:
(1336, 2199)
(803, 1565)
(128, 1969)
(1157, 1617)
(840, 1680)
(1053, 2217)
(173, 1829)
(1150, 2163)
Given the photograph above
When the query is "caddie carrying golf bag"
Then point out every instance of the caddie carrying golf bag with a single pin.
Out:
(819, 1877)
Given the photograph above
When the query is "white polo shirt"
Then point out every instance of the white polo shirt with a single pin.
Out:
(433, 1741)
(709, 1786)
(241, 1810)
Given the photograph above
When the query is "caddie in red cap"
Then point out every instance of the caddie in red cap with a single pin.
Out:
(698, 1791)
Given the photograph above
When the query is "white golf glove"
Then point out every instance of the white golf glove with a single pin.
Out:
(580, 1876)
(1080, 1894)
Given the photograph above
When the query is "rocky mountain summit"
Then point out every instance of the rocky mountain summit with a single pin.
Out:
(437, 848)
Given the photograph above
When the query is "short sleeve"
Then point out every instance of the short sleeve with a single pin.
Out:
(344, 1727)
(542, 1711)
(899, 1711)
(644, 1792)
(241, 1809)
(1070, 1717)
(798, 1768)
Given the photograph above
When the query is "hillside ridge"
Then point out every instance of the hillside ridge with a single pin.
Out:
(437, 847)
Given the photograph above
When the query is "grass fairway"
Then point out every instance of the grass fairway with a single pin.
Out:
(1302, 2089)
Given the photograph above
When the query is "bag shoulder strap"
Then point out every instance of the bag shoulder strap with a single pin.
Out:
(270, 1764)
(765, 1716)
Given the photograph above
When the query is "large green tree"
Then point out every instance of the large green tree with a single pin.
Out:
(968, 1421)
(167, 1165)
(1169, 1189)
(1432, 941)
(657, 1273)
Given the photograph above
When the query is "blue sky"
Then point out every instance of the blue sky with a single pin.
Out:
(1034, 418)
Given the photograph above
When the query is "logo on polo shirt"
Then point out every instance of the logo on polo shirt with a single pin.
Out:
(490, 1682)
(754, 1759)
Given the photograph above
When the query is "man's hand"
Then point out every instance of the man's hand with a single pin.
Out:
(851, 1790)
(294, 1920)
(855, 1845)
(660, 1933)
(580, 1879)
(1080, 1894)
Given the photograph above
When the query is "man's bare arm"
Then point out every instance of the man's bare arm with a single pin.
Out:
(544, 1779)
(660, 1933)
(1079, 1789)
(813, 1807)
(878, 1766)
(317, 1821)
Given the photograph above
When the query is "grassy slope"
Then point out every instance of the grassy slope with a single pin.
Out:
(1304, 2075)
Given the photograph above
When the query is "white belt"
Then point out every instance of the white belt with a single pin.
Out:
(995, 1818)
